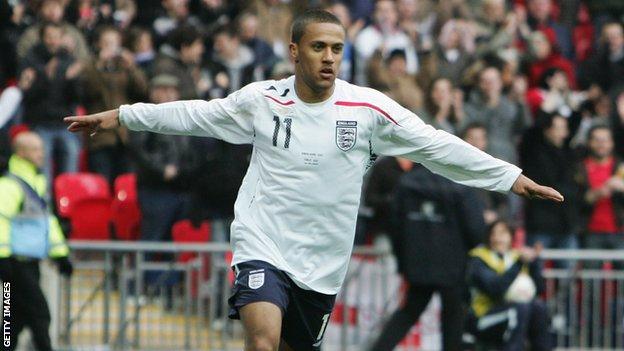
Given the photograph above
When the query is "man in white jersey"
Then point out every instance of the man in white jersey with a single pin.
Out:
(314, 136)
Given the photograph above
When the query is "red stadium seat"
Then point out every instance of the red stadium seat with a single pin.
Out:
(184, 232)
(125, 211)
(84, 199)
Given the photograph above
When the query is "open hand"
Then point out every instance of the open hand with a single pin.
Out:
(524, 186)
(93, 123)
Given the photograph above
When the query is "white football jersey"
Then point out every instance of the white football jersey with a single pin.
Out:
(297, 206)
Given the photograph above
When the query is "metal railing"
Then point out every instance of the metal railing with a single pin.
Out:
(166, 296)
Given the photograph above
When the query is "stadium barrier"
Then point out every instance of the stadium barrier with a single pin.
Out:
(164, 296)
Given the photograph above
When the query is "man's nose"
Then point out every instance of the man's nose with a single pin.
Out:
(328, 56)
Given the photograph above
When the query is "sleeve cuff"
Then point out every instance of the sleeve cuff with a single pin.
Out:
(122, 110)
(511, 177)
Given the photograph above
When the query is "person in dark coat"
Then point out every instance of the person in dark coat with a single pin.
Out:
(55, 92)
(545, 156)
(435, 223)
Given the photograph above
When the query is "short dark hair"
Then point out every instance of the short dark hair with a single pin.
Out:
(490, 230)
(310, 16)
(183, 36)
(596, 127)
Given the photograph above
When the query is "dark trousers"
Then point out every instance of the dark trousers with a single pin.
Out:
(110, 161)
(415, 302)
(510, 326)
(160, 209)
(29, 308)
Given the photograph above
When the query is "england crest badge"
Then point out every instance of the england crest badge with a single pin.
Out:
(256, 280)
(346, 134)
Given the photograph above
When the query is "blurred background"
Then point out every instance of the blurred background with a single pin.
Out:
(538, 83)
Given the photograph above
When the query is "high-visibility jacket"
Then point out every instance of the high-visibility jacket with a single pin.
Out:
(11, 205)
(482, 302)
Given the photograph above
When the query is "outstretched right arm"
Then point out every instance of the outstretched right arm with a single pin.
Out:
(228, 119)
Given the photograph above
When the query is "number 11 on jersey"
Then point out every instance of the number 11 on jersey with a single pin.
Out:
(288, 123)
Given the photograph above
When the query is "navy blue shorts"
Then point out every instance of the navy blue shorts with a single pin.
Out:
(305, 313)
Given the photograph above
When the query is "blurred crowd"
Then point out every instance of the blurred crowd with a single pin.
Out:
(538, 83)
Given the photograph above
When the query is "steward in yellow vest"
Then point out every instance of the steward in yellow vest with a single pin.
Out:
(28, 233)
(505, 283)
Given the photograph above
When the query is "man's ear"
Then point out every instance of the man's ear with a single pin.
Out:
(293, 49)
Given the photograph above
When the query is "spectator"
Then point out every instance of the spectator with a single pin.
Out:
(264, 57)
(385, 34)
(55, 92)
(110, 80)
(617, 122)
(453, 52)
(435, 223)
(341, 11)
(177, 14)
(380, 188)
(165, 168)
(540, 18)
(29, 233)
(13, 22)
(219, 177)
(554, 94)
(496, 206)
(496, 28)
(543, 57)
(418, 19)
(606, 66)
(546, 156)
(504, 121)
(141, 44)
(505, 312)
(232, 64)
(53, 11)
(181, 57)
(603, 191)
(444, 106)
(274, 17)
(391, 75)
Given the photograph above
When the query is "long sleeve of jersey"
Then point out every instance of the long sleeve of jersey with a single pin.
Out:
(399, 132)
(228, 119)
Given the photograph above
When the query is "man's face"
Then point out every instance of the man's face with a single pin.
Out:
(318, 55)
(342, 12)
(441, 92)
(178, 8)
(490, 82)
(494, 10)
(397, 66)
(110, 44)
(53, 38)
(33, 151)
(477, 137)
(249, 27)
(558, 132)
(52, 11)
(386, 15)
(615, 37)
(407, 9)
(600, 143)
(192, 54)
(225, 45)
(540, 9)
(162, 94)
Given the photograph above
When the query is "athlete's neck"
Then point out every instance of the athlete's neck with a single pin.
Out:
(306, 94)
